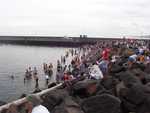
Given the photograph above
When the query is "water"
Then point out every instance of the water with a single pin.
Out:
(14, 59)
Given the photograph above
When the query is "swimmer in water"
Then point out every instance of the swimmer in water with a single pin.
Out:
(12, 76)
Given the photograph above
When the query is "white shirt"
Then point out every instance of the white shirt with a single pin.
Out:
(40, 109)
(134, 57)
(96, 72)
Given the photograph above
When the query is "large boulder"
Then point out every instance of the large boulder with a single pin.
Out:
(54, 98)
(104, 103)
(85, 88)
(109, 82)
(68, 106)
(137, 94)
(129, 79)
(116, 68)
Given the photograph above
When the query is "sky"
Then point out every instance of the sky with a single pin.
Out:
(101, 18)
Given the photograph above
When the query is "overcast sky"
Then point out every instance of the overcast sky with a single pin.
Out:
(107, 18)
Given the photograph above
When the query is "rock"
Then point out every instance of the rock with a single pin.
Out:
(119, 86)
(54, 98)
(147, 78)
(103, 91)
(145, 107)
(101, 104)
(37, 90)
(109, 82)
(84, 88)
(2, 103)
(137, 94)
(23, 95)
(129, 79)
(52, 85)
(127, 106)
(59, 109)
(116, 68)
(68, 106)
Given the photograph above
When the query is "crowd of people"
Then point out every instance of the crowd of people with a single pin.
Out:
(105, 53)
(99, 62)
(29, 74)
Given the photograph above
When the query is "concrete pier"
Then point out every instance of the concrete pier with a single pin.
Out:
(38, 40)
(51, 41)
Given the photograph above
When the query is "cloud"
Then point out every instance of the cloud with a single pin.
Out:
(107, 18)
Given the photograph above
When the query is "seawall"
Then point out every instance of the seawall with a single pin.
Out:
(51, 40)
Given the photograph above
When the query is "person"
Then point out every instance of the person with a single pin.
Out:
(30, 72)
(36, 80)
(47, 79)
(12, 108)
(12, 76)
(103, 65)
(33, 105)
(64, 60)
(45, 68)
(50, 70)
(27, 74)
(95, 72)
(35, 77)
(58, 76)
(132, 59)
(105, 53)
(66, 76)
(59, 67)
(35, 71)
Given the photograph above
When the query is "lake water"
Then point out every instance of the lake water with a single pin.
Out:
(14, 59)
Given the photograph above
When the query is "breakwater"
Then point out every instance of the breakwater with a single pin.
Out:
(52, 40)
(55, 40)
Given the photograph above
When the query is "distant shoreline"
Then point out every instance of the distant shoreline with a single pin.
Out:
(53, 40)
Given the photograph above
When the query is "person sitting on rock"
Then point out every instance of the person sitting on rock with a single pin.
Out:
(33, 105)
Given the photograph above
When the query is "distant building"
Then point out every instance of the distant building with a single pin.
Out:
(83, 36)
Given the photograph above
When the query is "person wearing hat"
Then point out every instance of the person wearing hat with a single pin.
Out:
(33, 105)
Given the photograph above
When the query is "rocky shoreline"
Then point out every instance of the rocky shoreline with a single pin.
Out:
(125, 88)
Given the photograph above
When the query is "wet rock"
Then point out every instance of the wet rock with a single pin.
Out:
(52, 85)
(23, 95)
(101, 104)
(37, 90)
